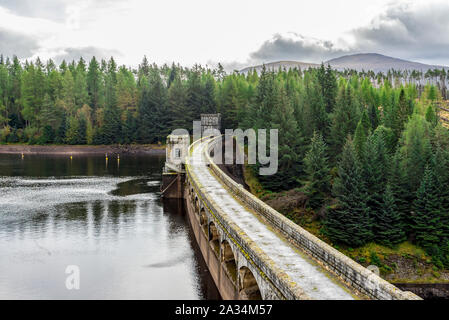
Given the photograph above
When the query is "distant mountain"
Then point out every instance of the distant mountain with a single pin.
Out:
(364, 61)
(377, 63)
(274, 66)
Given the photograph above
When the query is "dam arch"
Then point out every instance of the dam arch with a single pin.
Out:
(214, 238)
(228, 260)
(248, 286)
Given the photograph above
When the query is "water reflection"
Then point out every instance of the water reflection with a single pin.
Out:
(111, 222)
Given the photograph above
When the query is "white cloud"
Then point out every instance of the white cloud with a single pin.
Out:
(234, 32)
(410, 30)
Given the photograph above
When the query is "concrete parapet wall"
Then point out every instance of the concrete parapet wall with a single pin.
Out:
(350, 272)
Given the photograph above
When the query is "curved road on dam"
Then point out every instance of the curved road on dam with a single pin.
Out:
(309, 275)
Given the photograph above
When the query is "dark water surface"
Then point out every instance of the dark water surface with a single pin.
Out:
(107, 218)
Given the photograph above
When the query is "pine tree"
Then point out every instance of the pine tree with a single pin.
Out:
(80, 85)
(398, 184)
(317, 171)
(194, 92)
(427, 211)
(402, 113)
(209, 104)
(349, 222)
(94, 85)
(48, 135)
(344, 118)
(374, 116)
(431, 116)
(441, 169)
(177, 105)
(129, 128)
(289, 166)
(33, 92)
(229, 103)
(111, 84)
(328, 83)
(389, 225)
(49, 115)
(111, 130)
(72, 133)
(145, 113)
(68, 93)
(375, 169)
(61, 132)
(316, 118)
(416, 151)
(388, 137)
(153, 116)
(262, 108)
(362, 132)
(82, 131)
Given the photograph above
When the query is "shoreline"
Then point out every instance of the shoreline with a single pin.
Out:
(134, 149)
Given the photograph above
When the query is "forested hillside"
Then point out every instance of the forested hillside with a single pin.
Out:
(99, 102)
(367, 150)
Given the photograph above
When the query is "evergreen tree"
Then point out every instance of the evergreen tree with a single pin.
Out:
(317, 171)
(316, 118)
(349, 222)
(129, 128)
(328, 84)
(177, 105)
(374, 116)
(94, 85)
(48, 135)
(61, 132)
(362, 132)
(389, 229)
(111, 84)
(427, 211)
(290, 143)
(82, 131)
(289, 166)
(194, 92)
(401, 113)
(416, 151)
(145, 113)
(375, 169)
(68, 93)
(265, 100)
(33, 93)
(441, 171)
(110, 132)
(431, 116)
(80, 85)
(344, 118)
(209, 104)
(72, 133)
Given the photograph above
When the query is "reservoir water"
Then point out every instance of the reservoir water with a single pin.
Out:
(106, 219)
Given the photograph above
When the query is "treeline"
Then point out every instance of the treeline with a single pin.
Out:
(371, 157)
(99, 102)
(437, 77)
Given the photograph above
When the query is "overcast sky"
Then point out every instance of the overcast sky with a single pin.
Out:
(235, 32)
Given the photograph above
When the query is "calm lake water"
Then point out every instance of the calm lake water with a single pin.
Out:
(106, 218)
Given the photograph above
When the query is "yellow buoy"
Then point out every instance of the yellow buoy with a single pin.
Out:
(23, 155)
(71, 157)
